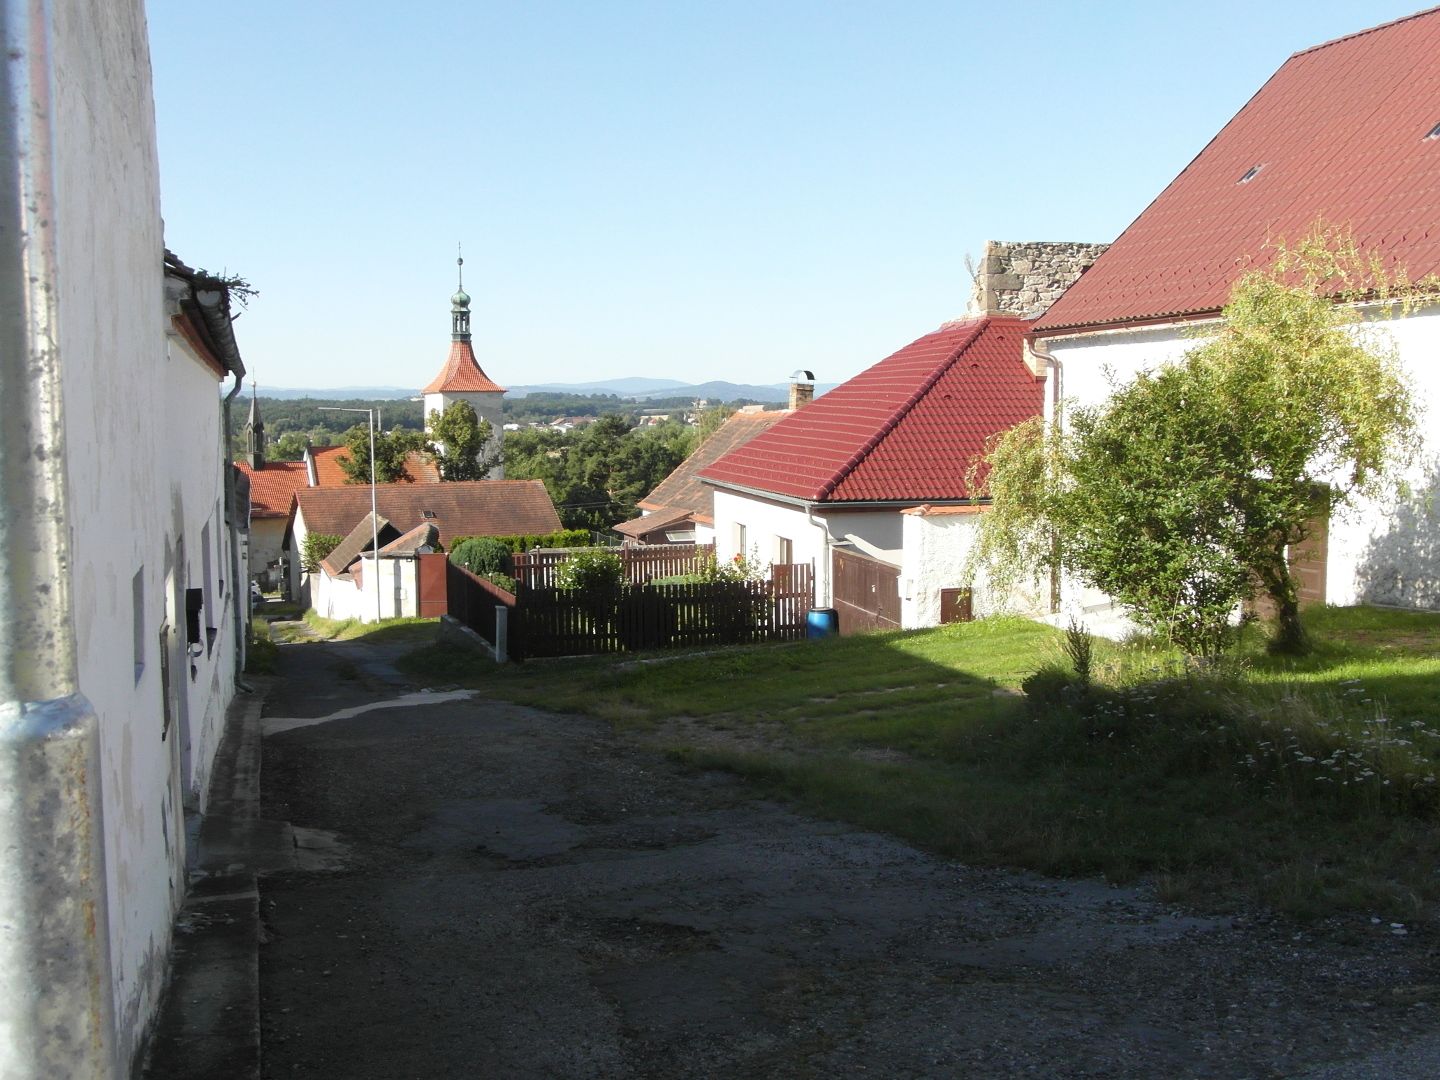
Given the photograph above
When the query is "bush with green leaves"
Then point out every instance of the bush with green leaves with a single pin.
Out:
(483, 556)
(1190, 490)
(593, 568)
(315, 548)
(565, 538)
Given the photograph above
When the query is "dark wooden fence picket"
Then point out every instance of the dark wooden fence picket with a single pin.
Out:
(473, 600)
(546, 621)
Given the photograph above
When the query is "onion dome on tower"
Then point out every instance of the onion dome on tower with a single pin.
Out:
(461, 372)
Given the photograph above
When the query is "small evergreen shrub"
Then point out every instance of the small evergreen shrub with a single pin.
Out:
(482, 556)
(565, 538)
(593, 568)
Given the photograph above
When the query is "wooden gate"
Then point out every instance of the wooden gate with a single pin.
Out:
(434, 596)
(866, 593)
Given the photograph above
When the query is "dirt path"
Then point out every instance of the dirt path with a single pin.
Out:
(504, 893)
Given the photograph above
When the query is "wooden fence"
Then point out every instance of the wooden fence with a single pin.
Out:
(642, 564)
(472, 600)
(546, 621)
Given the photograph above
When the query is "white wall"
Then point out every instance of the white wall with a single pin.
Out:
(763, 522)
(337, 598)
(936, 547)
(267, 535)
(876, 533)
(144, 466)
(1385, 553)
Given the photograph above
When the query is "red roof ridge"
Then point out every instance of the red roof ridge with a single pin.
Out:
(863, 451)
(462, 373)
(1367, 30)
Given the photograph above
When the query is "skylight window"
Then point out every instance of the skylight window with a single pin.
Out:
(1254, 172)
(1434, 133)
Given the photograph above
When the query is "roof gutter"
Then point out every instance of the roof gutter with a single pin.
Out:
(829, 505)
(56, 997)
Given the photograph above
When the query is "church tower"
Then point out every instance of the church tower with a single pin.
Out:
(461, 378)
(255, 434)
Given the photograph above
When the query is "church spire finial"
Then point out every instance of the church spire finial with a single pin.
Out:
(460, 302)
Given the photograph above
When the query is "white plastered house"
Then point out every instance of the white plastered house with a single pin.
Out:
(1348, 134)
(868, 482)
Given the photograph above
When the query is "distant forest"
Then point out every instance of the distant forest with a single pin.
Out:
(301, 417)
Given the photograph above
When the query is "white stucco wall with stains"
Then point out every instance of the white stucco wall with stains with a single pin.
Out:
(144, 466)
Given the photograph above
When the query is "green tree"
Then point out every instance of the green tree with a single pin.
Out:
(597, 474)
(709, 420)
(316, 547)
(391, 450)
(1187, 491)
(482, 555)
(460, 443)
(288, 447)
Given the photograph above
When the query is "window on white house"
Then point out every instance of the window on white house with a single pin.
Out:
(137, 609)
(737, 537)
(782, 552)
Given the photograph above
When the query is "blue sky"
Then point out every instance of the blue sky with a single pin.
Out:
(688, 190)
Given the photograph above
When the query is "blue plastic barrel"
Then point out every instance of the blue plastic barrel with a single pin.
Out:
(822, 622)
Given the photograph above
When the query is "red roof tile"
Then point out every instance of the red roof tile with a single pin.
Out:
(461, 372)
(1340, 134)
(328, 473)
(465, 508)
(273, 488)
(905, 429)
(682, 489)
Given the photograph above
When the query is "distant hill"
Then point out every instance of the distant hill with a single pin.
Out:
(725, 391)
(341, 393)
(641, 389)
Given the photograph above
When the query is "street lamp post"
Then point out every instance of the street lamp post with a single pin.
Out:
(374, 513)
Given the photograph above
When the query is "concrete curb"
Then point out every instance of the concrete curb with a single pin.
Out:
(209, 1023)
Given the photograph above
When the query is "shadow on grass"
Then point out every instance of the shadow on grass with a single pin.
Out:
(920, 734)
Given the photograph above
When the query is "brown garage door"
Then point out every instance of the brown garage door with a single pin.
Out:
(867, 593)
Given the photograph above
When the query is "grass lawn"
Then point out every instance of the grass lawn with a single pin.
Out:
(924, 734)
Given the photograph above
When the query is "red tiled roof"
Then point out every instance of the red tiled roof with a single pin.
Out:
(682, 489)
(328, 473)
(273, 487)
(461, 372)
(654, 522)
(468, 508)
(906, 428)
(1340, 132)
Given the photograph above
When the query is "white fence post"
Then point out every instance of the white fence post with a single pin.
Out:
(502, 633)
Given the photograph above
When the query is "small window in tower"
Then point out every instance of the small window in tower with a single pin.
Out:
(1434, 133)
(1254, 172)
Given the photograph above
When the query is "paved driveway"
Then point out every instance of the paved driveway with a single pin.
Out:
(491, 891)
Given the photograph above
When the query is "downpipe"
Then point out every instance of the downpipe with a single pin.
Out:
(828, 600)
(56, 998)
(239, 591)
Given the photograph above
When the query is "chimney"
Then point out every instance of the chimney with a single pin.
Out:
(802, 388)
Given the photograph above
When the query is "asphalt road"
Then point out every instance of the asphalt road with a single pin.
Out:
(491, 891)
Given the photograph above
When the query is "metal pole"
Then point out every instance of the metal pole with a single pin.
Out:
(56, 997)
(374, 518)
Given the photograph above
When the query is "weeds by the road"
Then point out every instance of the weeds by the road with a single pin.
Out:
(1304, 784)
(261, 652)
(386, 631)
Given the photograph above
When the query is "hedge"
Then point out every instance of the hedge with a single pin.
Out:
(566, 538)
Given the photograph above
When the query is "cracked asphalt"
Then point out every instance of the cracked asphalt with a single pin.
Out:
(493, 891)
